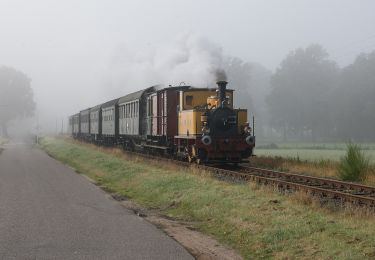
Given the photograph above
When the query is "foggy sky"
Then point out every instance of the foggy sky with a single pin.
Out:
(67, 46)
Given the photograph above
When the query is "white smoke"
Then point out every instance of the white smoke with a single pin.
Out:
(190, 59)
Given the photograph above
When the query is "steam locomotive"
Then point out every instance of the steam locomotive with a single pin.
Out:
(194, 124)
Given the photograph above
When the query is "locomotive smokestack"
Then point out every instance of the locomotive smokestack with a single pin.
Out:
(222, 87)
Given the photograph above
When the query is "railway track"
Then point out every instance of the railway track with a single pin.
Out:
(328, 189)
(338, 191)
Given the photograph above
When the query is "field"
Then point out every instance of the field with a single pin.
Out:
(310, 151)
(256, 221)
(307, 158)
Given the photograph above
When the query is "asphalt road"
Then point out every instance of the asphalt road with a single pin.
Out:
(47, 211)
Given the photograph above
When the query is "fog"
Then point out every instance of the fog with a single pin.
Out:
(81, 53)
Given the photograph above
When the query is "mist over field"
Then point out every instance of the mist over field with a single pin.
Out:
(305, 69)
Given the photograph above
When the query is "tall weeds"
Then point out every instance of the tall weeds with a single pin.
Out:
(354, 166)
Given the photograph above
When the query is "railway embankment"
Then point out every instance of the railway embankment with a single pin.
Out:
(256, 221)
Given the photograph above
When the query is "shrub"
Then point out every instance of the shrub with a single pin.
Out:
(354, 165)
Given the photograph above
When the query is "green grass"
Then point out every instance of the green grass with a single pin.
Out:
(255, 220)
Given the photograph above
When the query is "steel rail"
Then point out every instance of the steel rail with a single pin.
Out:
(323, 188)
(335, 190)
(357, 188)
(338, 191)
(331, 192)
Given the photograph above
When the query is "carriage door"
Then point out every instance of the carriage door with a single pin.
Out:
(162, 113)
(154, 115)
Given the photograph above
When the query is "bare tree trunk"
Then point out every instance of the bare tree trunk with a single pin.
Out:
(4, 129)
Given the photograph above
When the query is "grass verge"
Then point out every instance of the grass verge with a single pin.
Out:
(256, 221)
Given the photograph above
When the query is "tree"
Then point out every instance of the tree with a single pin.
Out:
(300, 92)
(239, 76)
(251, 84)
(16, 96)
(354, 100)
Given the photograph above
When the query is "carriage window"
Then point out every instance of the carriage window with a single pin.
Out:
(189, 100)
(149, 107)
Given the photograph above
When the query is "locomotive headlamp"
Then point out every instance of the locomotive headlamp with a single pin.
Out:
(206, 140)
(250, 140)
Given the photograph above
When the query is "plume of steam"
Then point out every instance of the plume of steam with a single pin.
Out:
(221, 75)
(189, 58)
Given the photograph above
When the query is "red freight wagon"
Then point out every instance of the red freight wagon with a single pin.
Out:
(162, 115)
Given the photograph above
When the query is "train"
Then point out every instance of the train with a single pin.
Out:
(195, 124)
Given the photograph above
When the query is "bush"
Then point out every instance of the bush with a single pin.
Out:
(354, 165)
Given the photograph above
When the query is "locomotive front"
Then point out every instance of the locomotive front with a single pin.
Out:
(226, 134)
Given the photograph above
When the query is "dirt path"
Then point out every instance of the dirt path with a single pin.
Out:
(201, 246)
